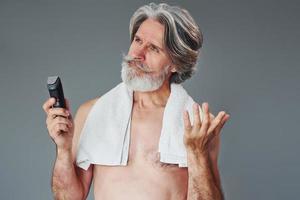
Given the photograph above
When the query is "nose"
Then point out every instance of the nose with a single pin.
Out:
(139, 52)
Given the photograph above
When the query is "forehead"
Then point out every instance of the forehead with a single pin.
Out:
(152, 30)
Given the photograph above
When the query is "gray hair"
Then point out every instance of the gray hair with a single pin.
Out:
(182, 37)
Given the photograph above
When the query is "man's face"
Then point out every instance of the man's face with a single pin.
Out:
(147, 64)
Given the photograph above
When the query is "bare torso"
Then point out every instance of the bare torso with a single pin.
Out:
(144, 177)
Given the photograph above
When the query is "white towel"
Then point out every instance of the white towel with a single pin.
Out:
(105, 136)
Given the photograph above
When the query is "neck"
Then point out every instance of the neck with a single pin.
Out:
(154, 99)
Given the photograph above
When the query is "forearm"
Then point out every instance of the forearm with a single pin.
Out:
(65, 182)
(202, 184)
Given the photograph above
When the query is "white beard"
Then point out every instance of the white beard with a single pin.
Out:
(142, 81)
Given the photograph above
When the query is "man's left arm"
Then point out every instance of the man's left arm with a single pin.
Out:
(202, 143)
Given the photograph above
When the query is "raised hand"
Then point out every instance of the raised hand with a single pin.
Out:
(59, 124)
(198, 137)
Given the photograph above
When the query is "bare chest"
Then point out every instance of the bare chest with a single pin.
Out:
(144, 138)
(144, 176)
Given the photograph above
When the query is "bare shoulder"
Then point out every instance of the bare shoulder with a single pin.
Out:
(85, 176)
(79, 120)
(84, 108)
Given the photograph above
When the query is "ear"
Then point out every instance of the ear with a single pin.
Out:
(173, 69)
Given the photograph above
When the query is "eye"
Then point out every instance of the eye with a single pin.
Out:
(153, 48)
(136, 39)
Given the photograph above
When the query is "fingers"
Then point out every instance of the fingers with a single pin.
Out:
(222, 123)
(48, 104)
(54, 112)
(58, 129)
(205, 127)
(206, 118)
(197, 121)
(216, 121)
(187, 122)
(218, 125)
(55, 126)
(57, 118)
(209, 122)
(49, 109)
(60, 120)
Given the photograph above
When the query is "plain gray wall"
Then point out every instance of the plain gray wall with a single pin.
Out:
(248, 67)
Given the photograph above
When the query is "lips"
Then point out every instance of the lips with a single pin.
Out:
(136, 65)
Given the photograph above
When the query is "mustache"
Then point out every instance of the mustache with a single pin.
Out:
(137, 62)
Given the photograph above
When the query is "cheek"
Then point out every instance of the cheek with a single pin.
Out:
(157, 61)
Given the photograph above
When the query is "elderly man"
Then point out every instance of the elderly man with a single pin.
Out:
(165, 43)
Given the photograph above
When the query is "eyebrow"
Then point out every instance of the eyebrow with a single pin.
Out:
(151, 43)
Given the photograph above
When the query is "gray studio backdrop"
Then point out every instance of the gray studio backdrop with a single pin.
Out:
(248, 67)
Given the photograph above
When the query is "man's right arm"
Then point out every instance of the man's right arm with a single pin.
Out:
(68, 180)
